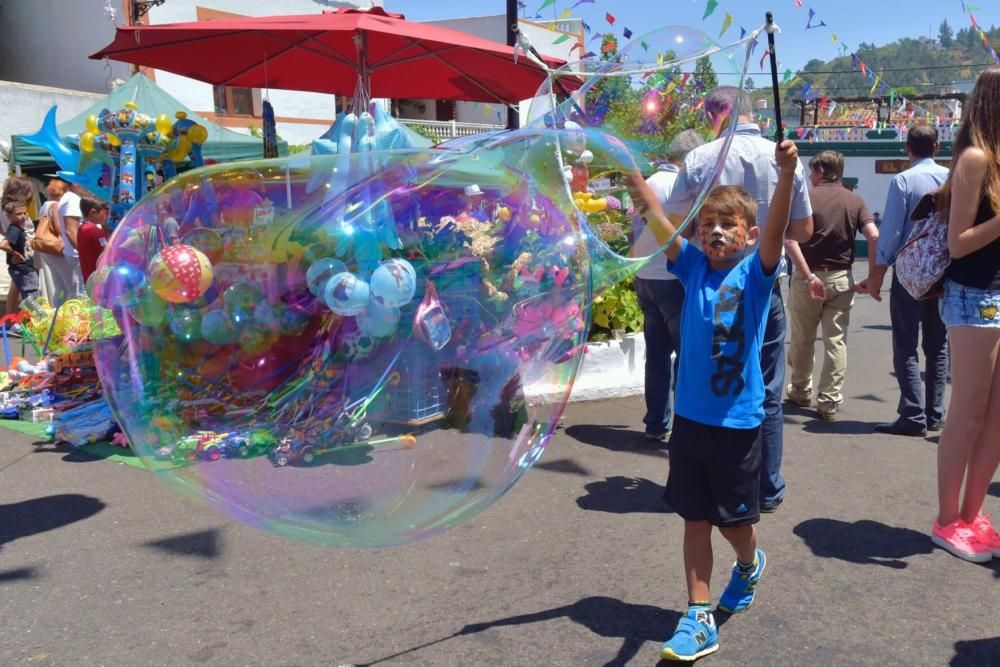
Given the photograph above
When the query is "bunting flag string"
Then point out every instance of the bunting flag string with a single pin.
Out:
(726, 22)
(763, 57)
(980, 33)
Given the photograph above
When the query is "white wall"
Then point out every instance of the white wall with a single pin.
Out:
(46, 43)
(23, 107)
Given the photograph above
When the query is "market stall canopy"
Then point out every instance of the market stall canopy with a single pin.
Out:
(222, 146)
(331, 53)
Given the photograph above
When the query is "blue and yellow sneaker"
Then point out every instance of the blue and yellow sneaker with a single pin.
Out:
(696, 636)
(742, 588)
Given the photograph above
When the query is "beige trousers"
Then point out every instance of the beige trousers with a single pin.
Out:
(805, 316)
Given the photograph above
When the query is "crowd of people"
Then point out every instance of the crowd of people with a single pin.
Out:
(716, 327)
(52, 253)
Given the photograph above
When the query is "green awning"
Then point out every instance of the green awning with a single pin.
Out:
(222, 146)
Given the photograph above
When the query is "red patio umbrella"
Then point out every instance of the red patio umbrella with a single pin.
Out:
(334, 52)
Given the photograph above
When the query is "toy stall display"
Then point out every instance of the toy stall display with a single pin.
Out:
(62, 389)
(123, 154)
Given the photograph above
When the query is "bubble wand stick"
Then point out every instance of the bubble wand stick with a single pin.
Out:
(771, 28)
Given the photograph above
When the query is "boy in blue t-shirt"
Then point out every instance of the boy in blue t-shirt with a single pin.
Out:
(714, 449)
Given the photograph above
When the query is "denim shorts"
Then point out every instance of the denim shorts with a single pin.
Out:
(963, 306)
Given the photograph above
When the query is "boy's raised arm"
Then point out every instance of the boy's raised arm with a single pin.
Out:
(773, 236)
(648, 207)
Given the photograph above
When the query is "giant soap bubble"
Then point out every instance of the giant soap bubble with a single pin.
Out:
(380, 350)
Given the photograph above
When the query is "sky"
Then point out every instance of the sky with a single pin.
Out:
(853, 21)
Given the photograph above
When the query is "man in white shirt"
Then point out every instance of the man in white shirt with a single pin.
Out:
(661, 298)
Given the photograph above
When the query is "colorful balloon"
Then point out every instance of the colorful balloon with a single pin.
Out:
(180, 273)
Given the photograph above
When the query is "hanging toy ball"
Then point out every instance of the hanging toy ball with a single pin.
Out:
(393, 283)
(180, 274)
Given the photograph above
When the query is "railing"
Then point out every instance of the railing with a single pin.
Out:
(443, 130)
(891, 133)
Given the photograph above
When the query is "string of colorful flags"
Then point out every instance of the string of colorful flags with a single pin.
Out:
(810, 94)
(969, 9)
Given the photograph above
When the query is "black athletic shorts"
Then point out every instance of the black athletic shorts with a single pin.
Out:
(714, 473)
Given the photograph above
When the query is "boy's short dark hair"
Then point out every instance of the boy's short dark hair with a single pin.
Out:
(921, 140)
(730, 200)
(829, 163)
(87, 205)
(9, 207)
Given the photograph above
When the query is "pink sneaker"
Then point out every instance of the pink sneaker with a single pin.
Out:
(986, 534)
(958, 539)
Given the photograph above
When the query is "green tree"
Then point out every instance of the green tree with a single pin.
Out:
(704, 74)
(945, 34)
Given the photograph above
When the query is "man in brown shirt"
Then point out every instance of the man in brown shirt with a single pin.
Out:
(822, 287)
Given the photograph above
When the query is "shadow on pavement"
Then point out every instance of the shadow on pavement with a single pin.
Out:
(17, 574)
(994, 489)
(870, 397)
(71, 454)
(635, 624)
(616, 438)
(38, 515)
(865, 542)
(568, 466)
(203, 544)
(839, 426)
(623, 495)
(976, 652)
(877, 327)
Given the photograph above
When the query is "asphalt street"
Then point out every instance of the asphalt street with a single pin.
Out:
(100, 564)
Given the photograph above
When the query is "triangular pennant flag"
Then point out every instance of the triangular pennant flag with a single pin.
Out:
(589, 54)
(596, 35)
(833, 37)
(811, 15)
(582, 2)
(786, 76)
(833, 106)
(709, 8)
(854, 62)
(586, 26)
(753, 47)
(805, 91)
(874, 85)
(797, 3)
(763, 57)
(864, 69)
(565, 14)
(726, 22)
(547, 3)
(609, 17)
(627, 33)
(644, 45)
(565, 37)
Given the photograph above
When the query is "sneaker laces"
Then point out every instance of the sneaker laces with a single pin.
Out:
(985, 525)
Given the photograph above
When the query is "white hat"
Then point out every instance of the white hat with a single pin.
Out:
(472, 190)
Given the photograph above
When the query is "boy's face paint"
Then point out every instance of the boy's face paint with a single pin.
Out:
(722, 236)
